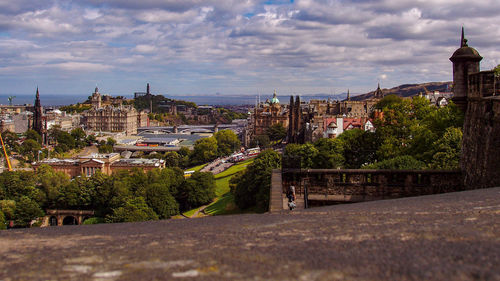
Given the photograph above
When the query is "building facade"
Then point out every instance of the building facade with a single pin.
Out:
(112, 118)
(104, 163)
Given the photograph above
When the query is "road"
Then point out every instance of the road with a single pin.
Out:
(454, 236)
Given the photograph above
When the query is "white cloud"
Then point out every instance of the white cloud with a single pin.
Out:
(309, 45)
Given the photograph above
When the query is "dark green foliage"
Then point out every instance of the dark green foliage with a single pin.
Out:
(253, 187)
(94, 220)
(205, 150)
(75, 108)
(134, 209)
(447, 150)
(404, 162)
(262, 141)
(197, 190)
(330, 154)
(359, 148)
(26, 211)
(30, 149)
(172, 159)
(163, 203)
(497, 70)
(10, 140)
(8, 208)
(33, 135)
(276, 132)
(227, 142)
(305, 153)
(3, 223)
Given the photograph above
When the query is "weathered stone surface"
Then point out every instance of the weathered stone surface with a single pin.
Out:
(452, 236)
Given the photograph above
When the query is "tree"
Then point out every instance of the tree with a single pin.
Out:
(497, 70)
(205, 150)
(30, 149)
(158, 197)
(8, 208)
(10, 140)
(253, 187)
(305, 153)
(262, 141)
(360, 148)
(276, 132)
(197, 190)
(3, 224)
(227, 142)
(135, 209)
(26, 211)
(33, 135)
(447, 150)
(172, 159)
(404, 162)
(79, 136)
(330, 154)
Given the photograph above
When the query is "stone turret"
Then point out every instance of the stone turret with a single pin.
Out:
(465, 61)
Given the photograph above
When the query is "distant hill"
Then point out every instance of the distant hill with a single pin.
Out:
(408, 90)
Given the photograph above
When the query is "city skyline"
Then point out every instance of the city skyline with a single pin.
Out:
(236, 47)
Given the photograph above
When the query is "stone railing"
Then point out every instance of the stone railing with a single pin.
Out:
(348, 185)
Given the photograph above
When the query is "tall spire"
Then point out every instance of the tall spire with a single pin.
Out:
(462, 39)
(348, 95)
(147, 89)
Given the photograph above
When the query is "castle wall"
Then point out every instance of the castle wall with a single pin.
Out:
(481, 142)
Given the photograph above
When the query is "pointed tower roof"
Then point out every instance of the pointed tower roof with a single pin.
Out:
(348, 95)
(378, 93)
(465, 52)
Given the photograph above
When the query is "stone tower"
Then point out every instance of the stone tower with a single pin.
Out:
(96, 99)
(465, 61)
(37, 116)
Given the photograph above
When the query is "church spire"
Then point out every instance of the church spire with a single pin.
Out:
(348, 95)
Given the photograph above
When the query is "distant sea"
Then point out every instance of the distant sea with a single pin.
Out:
(59, 100)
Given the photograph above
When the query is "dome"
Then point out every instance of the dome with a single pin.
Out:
(466, 52)
(275, 98)
(332, 125)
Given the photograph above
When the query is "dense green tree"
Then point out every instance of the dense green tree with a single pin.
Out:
(205, 150)
(359, 148)
(403, 162)
(497, 70)
(197, 190)
(79, 136)
(26, 211)
(33, 135)
(3, 223)
(330, 154)
(10, 140)
(447, 150)
(16, 184)
(134, 209)
(305, 153)
(158, 197)
(172, 159)
(51, 182)
(253, 187)
(276, 132)
(30, 149)
(227, 142)
(8, 208)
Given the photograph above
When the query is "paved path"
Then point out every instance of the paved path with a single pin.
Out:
(454, 236)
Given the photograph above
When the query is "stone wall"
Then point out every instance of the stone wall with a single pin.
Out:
(481, 142)
(364, 185)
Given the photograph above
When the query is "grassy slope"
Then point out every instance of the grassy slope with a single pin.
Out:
(224, 201)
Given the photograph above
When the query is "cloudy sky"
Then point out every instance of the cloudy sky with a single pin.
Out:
(203, 47)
